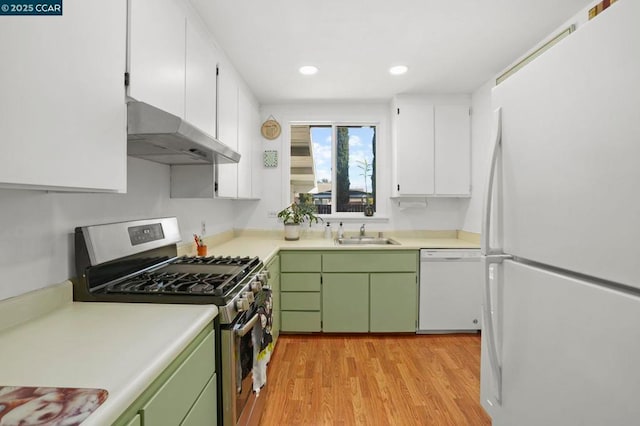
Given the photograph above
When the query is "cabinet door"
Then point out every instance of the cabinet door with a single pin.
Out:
(200, 80)
(393, 302)
(157, 54)
(247, 135)
(344, 303)
(414, 148)
(62, 109)
(452, 150)
(228, 132)
(205, 410)
(171, 403)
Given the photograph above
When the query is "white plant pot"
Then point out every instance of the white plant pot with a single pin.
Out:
(291, 231)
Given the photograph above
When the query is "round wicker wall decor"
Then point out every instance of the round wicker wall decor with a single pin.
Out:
(270, 129)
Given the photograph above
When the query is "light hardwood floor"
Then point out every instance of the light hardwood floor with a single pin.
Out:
(375, 380)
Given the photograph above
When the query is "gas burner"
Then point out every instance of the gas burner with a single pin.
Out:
(215, 284)
(146, 283)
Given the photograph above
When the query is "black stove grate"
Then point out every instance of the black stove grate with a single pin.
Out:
(217, 260)
(176, 283)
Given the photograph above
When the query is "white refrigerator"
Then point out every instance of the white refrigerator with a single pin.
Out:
(561, 233)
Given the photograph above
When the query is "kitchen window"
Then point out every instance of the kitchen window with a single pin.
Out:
(334, 167)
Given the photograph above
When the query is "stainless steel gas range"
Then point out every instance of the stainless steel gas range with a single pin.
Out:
(137, 261)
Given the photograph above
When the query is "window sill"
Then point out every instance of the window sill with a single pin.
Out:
(354, 218)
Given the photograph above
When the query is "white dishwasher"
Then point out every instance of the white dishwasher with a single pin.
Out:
(450, 290)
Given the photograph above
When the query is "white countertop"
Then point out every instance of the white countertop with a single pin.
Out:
(120, 347)
(266, 246)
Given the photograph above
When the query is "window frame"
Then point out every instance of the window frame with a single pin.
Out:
(334, 145)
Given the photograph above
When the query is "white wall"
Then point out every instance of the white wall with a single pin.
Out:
(481, 119)
(481, 116)
(439, 214)
(36, 231)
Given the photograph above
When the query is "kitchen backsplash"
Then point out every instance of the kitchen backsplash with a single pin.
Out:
(36, 236)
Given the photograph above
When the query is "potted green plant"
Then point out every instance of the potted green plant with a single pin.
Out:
(368, 206)
(294, 215)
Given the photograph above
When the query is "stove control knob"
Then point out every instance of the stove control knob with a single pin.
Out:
(249, 296)
(256, 285)
(242, 304)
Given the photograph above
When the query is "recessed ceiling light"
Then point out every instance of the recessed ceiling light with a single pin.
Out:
(308, 70)
(398, 70)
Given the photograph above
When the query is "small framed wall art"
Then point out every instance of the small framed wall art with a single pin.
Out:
(270, 159)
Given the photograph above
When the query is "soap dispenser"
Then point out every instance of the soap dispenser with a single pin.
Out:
(340, 231)
(327, 231)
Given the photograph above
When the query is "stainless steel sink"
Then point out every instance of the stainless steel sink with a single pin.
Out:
(362, 241)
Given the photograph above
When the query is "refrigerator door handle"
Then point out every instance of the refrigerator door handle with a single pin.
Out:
(486, 211)
(487, 323)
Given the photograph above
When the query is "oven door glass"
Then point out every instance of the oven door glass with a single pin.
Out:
(244, 349)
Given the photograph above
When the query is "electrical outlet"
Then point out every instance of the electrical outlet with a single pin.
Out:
(203, 228)
(272, 214)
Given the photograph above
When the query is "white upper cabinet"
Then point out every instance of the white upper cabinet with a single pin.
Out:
(62, 109)
(452, 150)
(239, 124)
(200, 80)
(432, 149)
(414, 147)
(248, 138)
(172, 61)
(157, 54)
(228, 131)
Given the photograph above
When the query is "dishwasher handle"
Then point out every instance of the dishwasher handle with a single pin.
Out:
(449, 255)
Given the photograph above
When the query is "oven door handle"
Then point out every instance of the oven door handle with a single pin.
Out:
(248, 326)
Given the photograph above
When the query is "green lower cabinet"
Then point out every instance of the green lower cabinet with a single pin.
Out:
(135, 421)
(300, 300)
(183, 394)
(174, 399)
(344, 303)
(205, 411)
(300, 321)
(393, 302)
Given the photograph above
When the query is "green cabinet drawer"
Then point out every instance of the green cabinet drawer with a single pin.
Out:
(300, 321)
(205, 411)
(300, 262)
(397, 313)
(299, 301)
(371, 261)
(174, 399)
(300, 282)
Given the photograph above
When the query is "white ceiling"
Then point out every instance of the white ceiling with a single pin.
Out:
(450, 46)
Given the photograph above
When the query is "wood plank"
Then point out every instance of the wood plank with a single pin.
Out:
(375, 380)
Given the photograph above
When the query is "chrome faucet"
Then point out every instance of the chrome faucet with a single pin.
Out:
(362, 230)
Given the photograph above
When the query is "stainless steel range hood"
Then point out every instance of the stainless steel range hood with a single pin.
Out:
(156, 135)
